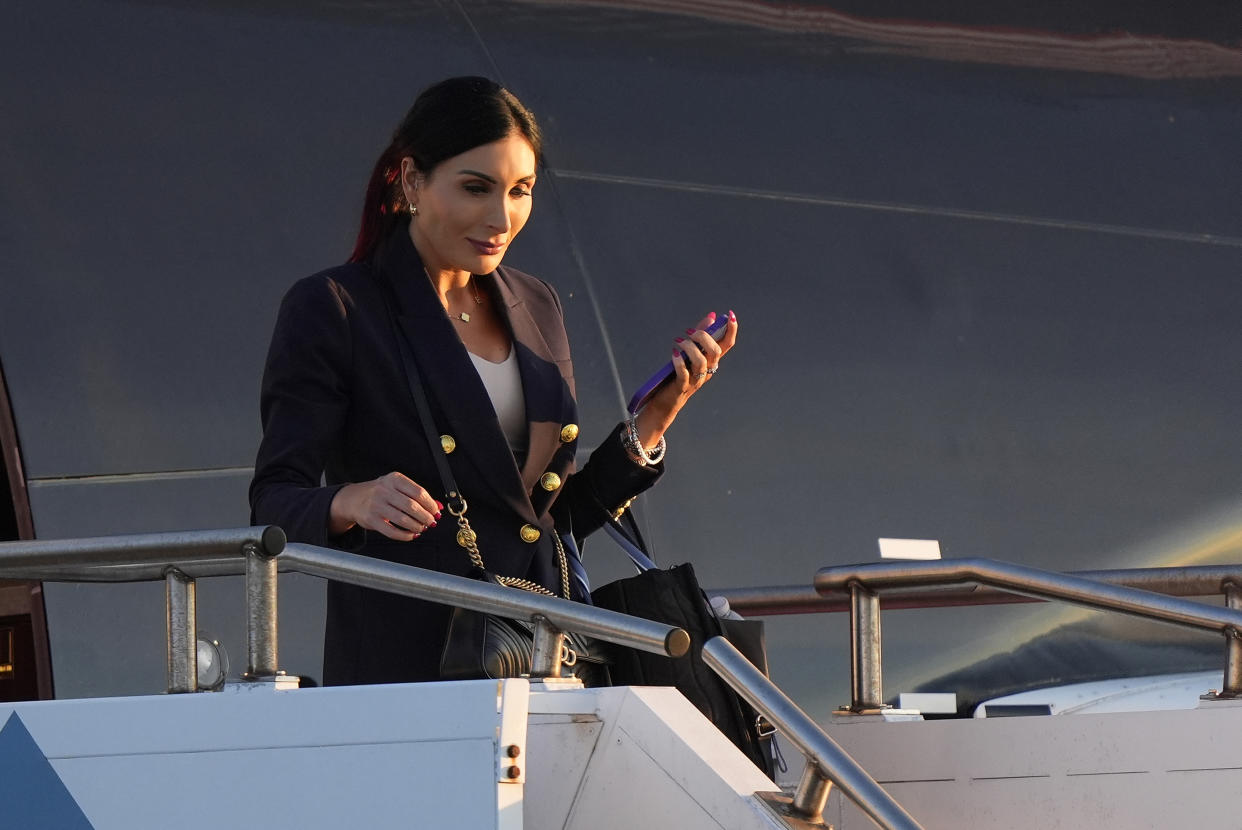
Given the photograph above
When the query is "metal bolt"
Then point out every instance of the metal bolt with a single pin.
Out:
(513, 772)
(513, 750)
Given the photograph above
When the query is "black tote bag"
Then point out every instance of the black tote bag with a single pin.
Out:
(673, 596)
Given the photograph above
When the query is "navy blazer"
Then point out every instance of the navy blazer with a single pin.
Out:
(336, 408)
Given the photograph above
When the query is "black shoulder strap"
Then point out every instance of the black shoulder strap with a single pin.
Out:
(410, 364)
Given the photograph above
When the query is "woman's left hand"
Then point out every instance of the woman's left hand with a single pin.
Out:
(703, 355)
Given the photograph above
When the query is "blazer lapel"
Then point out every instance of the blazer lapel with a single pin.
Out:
(542, 384)
(445, 365)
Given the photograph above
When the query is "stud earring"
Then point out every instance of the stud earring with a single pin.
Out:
(413, 209)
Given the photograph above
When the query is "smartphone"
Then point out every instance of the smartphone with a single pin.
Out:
(716, 329)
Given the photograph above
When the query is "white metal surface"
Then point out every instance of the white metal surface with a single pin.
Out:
(401, 755)
(461, 754)
(937, 703)
(1165, 769)
(634, 757)
(1126, 694)
(909, 549)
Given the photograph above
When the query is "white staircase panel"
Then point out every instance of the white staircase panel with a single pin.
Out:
(410, 755)
(657, 763)
(1162, 769)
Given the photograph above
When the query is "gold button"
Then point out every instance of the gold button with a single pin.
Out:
(449, 443)
(569, 432)
(529, 533)
(550, 481)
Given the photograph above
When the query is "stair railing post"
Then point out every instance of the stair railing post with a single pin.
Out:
(547, 649)
(182, 616)
(1233, 644)
(865, 650)
(811, 797)
(261, 633)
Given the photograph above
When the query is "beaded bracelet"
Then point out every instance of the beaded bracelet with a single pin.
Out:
(635, 449)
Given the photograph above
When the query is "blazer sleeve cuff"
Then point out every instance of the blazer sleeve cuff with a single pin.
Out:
(615, 477)
(351, 540)
(302, 513)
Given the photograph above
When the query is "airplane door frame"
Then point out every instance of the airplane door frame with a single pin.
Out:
(20, 599)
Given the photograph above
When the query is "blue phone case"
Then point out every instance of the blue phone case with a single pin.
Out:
(716, 330)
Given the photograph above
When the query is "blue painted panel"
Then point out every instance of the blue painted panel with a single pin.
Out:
(33, 795)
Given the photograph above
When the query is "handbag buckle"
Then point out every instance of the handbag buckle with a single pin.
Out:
(568, 655)
(764, 728)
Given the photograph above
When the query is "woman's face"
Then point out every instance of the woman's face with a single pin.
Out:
(471, 206)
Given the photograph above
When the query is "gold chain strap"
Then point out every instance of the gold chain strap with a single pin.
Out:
(468, 539)
(560, 559)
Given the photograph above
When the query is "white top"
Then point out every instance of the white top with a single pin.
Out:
(503, 382)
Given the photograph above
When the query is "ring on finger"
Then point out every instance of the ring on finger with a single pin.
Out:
(711, 370)
(700, 375)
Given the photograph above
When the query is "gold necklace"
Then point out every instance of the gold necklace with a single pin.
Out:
(474, 291)
(463, 316)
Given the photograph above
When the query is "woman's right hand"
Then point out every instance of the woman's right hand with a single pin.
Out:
(392, 505)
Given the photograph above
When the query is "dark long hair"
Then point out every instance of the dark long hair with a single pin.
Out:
(447, 119)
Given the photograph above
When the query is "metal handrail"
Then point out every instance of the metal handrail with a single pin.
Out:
(475, 595)
(865, 582)
(774, 600)
(260, 552)
(177, 558)
(827, 762)
(1034, 582)
(138, 557)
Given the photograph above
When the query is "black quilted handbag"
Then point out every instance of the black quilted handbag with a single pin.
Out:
(487, 646)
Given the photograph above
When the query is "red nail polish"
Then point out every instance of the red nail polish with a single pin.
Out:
(689, 331)
(676, 352)
(433, 524)
(678, 339)
(439, 506)
(711, 315)
(732, 316)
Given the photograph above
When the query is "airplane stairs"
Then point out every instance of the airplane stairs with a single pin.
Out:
(473, 754)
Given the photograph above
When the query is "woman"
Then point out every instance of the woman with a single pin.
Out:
(444, 203)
